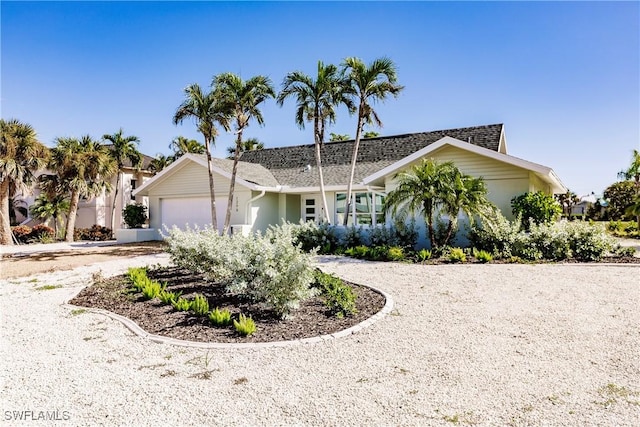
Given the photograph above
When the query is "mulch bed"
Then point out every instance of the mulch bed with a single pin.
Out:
(312, 319)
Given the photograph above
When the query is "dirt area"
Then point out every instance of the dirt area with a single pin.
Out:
(16, 265)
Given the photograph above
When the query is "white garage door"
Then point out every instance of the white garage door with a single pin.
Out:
(192, 210)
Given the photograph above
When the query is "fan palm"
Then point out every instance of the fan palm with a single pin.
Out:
(316, 100)
(84, 167)
(50, 206)
(21, 155)
(368, 84)
(240, 100)
(122, 148)
(205, 109)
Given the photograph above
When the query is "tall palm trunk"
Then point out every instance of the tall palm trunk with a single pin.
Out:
(212, 193)
(319, 141)
(232, 185)
(71, 220)
(5, 230)
(115, 200)
(356, 144)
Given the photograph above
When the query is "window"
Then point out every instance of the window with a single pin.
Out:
(367, 209)
(133, 187)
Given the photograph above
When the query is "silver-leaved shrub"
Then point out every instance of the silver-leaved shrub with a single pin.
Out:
(268, 268)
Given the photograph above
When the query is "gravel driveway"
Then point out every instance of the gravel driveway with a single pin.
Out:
(471, 344)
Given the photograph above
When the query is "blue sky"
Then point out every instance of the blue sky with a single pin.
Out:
(564, 78)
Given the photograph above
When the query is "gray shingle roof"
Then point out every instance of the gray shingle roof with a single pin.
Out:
(288, 164)
(251, 172)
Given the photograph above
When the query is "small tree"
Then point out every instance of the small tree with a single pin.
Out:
(619, 196)
(334, 137)
(54, 206)
(134, 215)
(539, 207)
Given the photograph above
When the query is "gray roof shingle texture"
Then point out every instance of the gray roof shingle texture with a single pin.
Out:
(251, 172)
(288, 164)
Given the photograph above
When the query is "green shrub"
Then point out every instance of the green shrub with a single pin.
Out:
(42, 234)
(361, 252)
(456, 255)
(538, 207)
(339, 298)
(423, 254)
(622, 251)
(497, 237)
(244, 325)
(395, 253)
(588, 242)
(483, 256)
(134, 215)
(220, 318)
(168, 297)
(181, 304)
(200, 305)
(151, 289)
(378, 253)
(311, 236)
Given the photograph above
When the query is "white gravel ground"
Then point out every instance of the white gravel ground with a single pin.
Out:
(473, 344)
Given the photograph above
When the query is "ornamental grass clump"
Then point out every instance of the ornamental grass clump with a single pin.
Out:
(137, 277)
(423, 255)
(167, 297)
(456, 255)
(181, 304)
(220, 318)
(482, 256)
(200, 305)
(151, 289)
(244, 325)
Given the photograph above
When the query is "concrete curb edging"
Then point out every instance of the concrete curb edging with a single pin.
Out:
(136, 329)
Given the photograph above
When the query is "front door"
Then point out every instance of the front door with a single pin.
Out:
(310, 208)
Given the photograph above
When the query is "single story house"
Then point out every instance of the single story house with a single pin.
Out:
(278, 184)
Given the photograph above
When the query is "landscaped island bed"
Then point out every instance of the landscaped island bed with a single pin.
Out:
(312, 319)
(516, 344)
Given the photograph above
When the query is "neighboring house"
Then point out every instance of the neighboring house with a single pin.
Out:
(282, 183)
(97, 210)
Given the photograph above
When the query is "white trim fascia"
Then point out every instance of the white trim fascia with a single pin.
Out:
(202, 162)
(327, 188)
(447, 140)
(502, 144)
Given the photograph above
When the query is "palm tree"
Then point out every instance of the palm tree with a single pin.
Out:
(50, 206)
(21, 155)
(181, 145)
(316, 100)
(368, 84)
(206, 111)
(84, 167)
(122, 148)
(160, 162)
(567, 200)
(633, 173)
(250, 144)
(241, 100)
(432, 188)
(371, 134)
(335, 137)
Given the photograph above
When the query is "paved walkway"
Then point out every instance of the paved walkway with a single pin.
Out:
(52, 247)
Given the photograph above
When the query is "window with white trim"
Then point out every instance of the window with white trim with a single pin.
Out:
(366, 210)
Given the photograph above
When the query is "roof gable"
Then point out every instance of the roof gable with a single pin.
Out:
(249, 175)
(544, 172)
